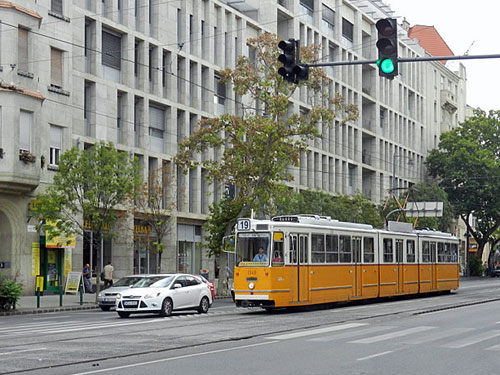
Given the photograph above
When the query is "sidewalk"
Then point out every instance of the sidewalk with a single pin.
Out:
(50, 303)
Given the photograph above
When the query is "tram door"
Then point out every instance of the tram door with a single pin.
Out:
(433, 266)
(300, 271)
(400, 266)
(356, 258)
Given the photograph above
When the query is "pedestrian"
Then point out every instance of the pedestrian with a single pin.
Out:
(86, 279)
(108, 275)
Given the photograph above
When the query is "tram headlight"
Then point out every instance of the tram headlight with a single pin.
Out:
(251, 286)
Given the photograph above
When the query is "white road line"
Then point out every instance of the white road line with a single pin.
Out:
(387, 336)
(473, 340)
(62, 316)
(316, 331)
(27, 327)
(22, 351)
(374, 355)
(350, 334)
(175, 358)
(434, 336)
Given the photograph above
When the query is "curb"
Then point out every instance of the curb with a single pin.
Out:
(47, 310)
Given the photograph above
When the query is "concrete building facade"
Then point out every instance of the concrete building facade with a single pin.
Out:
(142, 73)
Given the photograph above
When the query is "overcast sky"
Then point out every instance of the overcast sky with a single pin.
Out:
(461, 23)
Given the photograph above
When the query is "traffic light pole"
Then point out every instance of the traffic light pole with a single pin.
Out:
(404, 60)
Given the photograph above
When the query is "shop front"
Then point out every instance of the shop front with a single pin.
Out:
(189, 248)
(145, 253)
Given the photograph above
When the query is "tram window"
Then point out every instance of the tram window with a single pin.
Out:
(453, 252)
(388, 252)
(318, 248)
(345, 249)
(433, 252)
(410, 251)
(293, 249)
(399, 251)
(278, 246)
(332, 248)
(426, 252)
(368, 250)
(447, 256)
(441, 253)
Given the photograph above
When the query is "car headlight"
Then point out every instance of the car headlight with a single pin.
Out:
(101, 294)
(152, 295)
(119, 296)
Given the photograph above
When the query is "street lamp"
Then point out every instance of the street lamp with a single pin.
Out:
(394, 180)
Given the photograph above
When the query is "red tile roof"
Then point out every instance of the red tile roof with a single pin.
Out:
(9, 4)
(430, 40)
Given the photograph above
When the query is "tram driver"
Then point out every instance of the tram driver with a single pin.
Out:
(260, 256)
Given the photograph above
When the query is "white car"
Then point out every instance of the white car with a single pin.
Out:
(163, 294)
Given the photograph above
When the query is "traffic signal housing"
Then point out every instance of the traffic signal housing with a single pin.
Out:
(288, 58)
(387, 46)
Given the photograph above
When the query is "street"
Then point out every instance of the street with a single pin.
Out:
(439, 334)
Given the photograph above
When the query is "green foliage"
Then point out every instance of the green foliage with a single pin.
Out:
(10, 292)
(89, 184)
(222, 216)
(257, 148)
(468, 164)
(475, 265)
(356, 208)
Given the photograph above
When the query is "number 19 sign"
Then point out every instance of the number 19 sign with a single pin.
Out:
(243, 224)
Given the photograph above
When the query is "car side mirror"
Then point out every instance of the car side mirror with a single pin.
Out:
(176, 286)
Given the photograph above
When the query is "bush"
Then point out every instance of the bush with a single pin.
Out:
(475, 265)
(10, 292)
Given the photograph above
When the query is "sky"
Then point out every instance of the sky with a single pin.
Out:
(462, 24)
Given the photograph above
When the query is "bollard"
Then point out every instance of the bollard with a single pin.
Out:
(60, 292)
(37, 297)
(81, 295)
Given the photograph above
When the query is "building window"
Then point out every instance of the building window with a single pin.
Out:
(55, 145)
(347, 30)
(25, 125)
(22, 49)
(56, 6)
(220, 91)
(56, 67)
(156, 128)
(111, 49)
(328, 18)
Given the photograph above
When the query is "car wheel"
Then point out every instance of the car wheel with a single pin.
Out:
(166, 307)
(105, 308)
(123, 314)
(204, 305)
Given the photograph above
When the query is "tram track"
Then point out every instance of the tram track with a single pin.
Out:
(243, 316)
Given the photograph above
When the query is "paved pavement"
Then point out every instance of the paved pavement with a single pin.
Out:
(51, 303)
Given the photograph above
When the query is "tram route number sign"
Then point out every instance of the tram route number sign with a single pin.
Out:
(243, 224)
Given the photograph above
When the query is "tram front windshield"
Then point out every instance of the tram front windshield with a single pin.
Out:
(248, 251)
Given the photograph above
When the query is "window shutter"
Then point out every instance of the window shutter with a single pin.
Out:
(22, 49)
(56, 67)
(328, 15)
(55, 136)
(25, 119)
(56, 6)
(156, 122)
(111, 49)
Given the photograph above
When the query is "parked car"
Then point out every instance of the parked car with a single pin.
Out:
(164, 294)
(210, 285)
(107, 298)
(495, 272)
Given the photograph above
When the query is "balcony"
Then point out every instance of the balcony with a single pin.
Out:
(448, 101)
(19, 172)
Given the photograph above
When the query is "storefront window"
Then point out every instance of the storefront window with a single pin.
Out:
(90, 248)
(189, 249)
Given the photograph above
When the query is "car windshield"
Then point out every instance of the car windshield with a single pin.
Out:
(150, 282)
(127, 281)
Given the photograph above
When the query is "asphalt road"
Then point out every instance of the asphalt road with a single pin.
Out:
(440, 334)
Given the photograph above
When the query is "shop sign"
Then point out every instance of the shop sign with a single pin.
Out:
(142, 229)
(35, 259)
(73, 282)
(86, 225)
(61, 241)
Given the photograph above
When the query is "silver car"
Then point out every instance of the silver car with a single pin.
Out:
(107, 298)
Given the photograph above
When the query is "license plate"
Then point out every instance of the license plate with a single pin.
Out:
(130, 303)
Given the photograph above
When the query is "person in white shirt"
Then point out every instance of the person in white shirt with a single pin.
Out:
(108, 275)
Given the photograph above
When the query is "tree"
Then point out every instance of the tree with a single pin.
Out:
(155, 206)
(89, 188)
(258, 147)
(468, 165)
(351, 208)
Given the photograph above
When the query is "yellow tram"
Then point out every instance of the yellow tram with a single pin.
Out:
(310, 259)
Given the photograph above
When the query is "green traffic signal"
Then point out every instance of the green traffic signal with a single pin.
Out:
(386, 65)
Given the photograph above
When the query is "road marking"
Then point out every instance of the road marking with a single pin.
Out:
(473, 340)
(175, 358)
(434, 336)
(62, 316)
(31, 326)
(374, 355)
(22, 351)
(350, 334)
(316, 331)
(387, 336)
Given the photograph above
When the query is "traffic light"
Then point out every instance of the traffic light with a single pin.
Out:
(288, 59)
(301, 72)
(387, 45)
